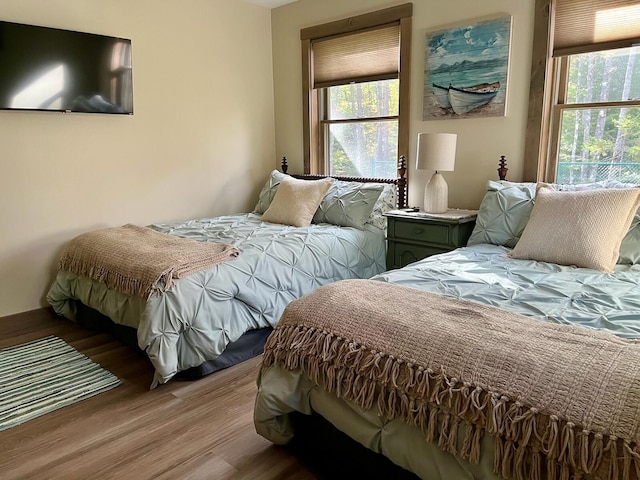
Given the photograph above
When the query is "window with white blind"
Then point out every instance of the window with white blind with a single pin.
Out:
(584, 119)
(356, 94)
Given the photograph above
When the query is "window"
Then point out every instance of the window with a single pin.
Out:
(359, 129)
(587, 128)
(598, 114)
(356, 94)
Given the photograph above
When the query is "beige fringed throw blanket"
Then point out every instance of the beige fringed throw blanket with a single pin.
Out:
(138, 260)
(561, 401)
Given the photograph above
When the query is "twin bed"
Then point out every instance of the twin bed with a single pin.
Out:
(221, 315)
(485, 362)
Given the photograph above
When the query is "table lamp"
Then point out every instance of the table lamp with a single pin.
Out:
(436, 151)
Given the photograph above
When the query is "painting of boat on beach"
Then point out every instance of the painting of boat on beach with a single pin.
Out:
(466, 70)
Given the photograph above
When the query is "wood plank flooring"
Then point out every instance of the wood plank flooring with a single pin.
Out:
(186, 429)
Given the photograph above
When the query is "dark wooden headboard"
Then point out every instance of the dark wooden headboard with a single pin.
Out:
(400, 181)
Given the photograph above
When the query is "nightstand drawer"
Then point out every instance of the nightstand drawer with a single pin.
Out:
(420, 232)
(404, 254)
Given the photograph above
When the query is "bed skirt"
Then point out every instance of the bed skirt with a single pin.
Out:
(249, 345)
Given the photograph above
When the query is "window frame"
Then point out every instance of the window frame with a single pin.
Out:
(547, 95)
(314, 100)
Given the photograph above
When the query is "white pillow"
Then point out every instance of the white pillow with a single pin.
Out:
(296, 201)
(582, 228)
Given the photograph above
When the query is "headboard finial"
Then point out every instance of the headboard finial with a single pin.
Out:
(502, 171)
(285, 167)
(402, 182)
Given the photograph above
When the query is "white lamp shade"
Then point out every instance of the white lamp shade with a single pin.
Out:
(436, 151)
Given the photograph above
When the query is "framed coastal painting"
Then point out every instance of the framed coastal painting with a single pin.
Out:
(466, 70)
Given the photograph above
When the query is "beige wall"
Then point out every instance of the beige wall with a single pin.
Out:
(200, 144)
(480, 141)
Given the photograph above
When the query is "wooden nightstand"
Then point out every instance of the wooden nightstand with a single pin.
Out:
(412, 236)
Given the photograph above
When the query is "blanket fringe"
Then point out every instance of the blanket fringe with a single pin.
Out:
(527, 441)
(123, 283)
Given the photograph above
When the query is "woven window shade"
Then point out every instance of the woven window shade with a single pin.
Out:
(356, 57)
(589, 25)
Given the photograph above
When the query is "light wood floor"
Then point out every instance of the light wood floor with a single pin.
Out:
(196, 429)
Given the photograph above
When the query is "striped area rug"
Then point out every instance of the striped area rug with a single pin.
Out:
(41, 376)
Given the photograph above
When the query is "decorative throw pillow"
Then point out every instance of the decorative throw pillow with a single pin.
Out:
(630, 246)
(581, 228)
(295, 201)
(503, 214)
(348, 204)
(268, 191)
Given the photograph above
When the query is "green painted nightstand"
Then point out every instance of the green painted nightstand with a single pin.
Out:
(412, 236)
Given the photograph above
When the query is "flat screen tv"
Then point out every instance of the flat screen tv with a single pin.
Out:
(51, 69)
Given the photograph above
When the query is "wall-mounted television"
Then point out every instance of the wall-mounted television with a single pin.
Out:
(50, 69)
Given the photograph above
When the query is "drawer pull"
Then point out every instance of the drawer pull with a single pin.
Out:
(418, 230)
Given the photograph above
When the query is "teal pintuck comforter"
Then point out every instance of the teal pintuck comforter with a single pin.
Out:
(195, 320)
(549, 292)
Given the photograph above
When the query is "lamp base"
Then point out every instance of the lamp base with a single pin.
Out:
(436, 195)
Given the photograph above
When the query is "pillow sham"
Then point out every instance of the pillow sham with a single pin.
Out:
(583, 228)
(386, 201)
(506, 207)
(503, 213)
(268, 191)
(630, 246)
(295, 201)
(348, 204)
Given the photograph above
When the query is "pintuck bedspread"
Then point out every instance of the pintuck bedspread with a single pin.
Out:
(555, 293)
(201, 314)
(480, 273)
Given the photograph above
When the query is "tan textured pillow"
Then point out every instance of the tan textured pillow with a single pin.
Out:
(296, 201)
(581, 228)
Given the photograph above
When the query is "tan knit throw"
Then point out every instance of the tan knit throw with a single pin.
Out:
(138, 260)
(561, 401)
